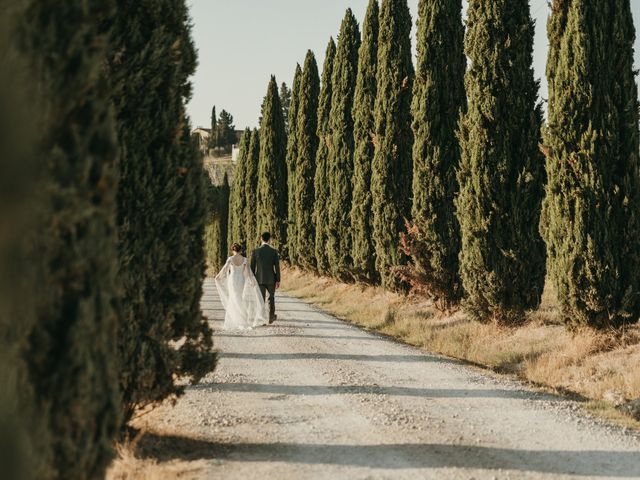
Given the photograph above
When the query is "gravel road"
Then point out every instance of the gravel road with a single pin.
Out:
(313, 397)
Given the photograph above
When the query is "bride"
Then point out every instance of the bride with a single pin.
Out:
(240, 294)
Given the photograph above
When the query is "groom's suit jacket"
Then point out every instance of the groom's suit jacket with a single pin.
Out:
(265, 264)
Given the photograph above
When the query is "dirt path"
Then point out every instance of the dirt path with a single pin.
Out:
(313, 397)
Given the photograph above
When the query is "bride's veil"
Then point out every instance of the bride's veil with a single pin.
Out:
(221, 284)
(253, 299)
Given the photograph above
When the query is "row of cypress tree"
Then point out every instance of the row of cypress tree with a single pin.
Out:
(102, 273)
(435, 178)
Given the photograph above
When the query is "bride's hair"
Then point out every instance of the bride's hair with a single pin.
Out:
(236, 247)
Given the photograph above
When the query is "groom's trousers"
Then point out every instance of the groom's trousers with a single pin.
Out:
(271, 288)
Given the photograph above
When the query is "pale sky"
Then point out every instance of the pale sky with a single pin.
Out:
(242, 42)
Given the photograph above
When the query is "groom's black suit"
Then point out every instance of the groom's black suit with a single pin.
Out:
(265, 264)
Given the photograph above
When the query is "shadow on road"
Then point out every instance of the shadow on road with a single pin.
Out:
(366, 389)
(604, 463)
(282, 335)
(331, 356)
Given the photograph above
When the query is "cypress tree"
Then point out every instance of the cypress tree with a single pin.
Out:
(24, 443)
(392, 164)
(160, 204)
(363, 250)
(590, 214)
(71, 354)
(216, 230)
(251, 191)
(502, 262)
(340, 159)
(292, 159)
(320, 182)
(272, 170)
(438, 100)
(306, 166)
(213, 137)
(238, 200)
(285, 98)
(194, 358)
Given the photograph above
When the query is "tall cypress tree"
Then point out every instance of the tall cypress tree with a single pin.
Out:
(502, 262)
(71, 354)
(438, 100)
(590, 215)
(25, 449)
(238, 200)
(160, 203)
(363, 250)
(213, 137)
(340, 159)
(392, 164)
(251, 191)
(285, 98)
(272, 169)
(321, 181)
(292, 159)
(304, 193)
(216, 231)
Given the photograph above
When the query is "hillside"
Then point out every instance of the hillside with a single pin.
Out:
(216, 168)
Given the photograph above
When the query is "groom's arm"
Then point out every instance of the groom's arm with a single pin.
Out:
(277, 269)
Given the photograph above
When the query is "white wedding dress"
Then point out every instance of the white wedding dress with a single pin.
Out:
(240, 296)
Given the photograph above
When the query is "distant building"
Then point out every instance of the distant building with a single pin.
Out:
(203, 135)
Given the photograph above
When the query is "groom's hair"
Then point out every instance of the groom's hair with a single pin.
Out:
(266, 236)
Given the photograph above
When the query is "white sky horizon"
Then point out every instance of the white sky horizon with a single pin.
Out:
(241, 43)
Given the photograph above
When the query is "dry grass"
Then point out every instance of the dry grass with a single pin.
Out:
(152, 456)
(601, 367)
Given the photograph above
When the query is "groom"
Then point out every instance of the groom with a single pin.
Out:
(265, 265)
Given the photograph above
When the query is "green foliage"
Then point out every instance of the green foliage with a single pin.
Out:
(161, 204)
(72, 344)
(216, 230)
(321, 181)
(272, 170)
(292, 159)
(502, 263)
(438, 100)
(213, 138)
(225, 132)
(24, 443)
(363, 250)
(285, 99)
(340, 158)
(238, 200)
(251, 192)
(590, 213)
(392, 163)
(307, 147)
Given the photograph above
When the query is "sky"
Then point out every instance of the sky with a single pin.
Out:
(241, 43)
